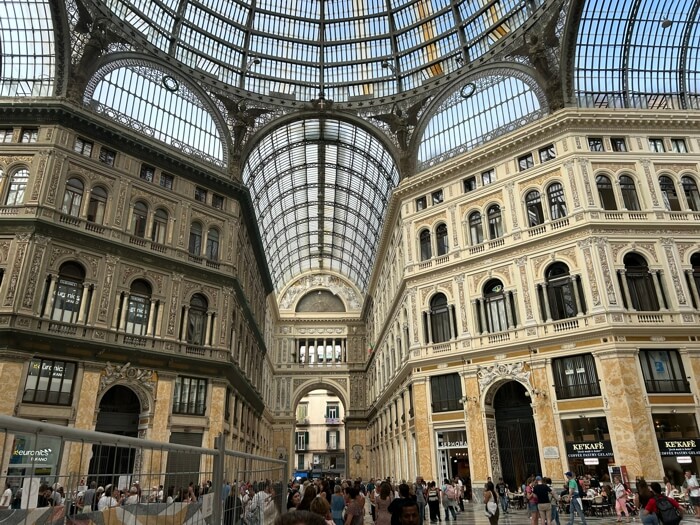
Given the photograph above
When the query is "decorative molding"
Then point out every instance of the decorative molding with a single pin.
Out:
(490, 374)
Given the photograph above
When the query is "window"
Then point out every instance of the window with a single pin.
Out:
(82, 146)
(495, 307)
(690, 189)
(426, 251)
(29, 135)
(107, 156)
(97, 205)
(441, 239)
(212, 252)
(301, 465)
(437, 197)
(446, 393)
(525, 162)
(195, 244)
(469, 184)
(533, 204)
(18, 184)
(605, 192)
(421, 203)
(190, 396)
(487, 177)
(49, 382)
(657, 145)
(302, 440)
(147, 172)
(138, 306)
(640, 283)
(166, 181)
(595, 144)
(197, 320)
(679, 146)
(618, 144)
(139, 219)
(160, 226)
(547, 153)
(302, 411)
(6, 135)
(217, 201)
(73, 197)
(200, 194)
(557, 204)
(440, 319)
(495, 222)
(476, 232)
(663, 371)
(669, 193)
(564, 294)
(575, 376)
(68, 294)
(629, 193)
(333, 439)
(332, 411)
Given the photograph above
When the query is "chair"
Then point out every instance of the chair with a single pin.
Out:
(600, 507)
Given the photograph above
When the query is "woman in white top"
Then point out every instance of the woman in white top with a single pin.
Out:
(107, 500)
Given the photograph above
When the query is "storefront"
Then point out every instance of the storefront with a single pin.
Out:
(588, 446)
(452, 454)
(34, 461)
(679, 444)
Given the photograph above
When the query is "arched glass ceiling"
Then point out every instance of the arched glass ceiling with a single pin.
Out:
(351, 48)
(479, 111)
(28, 50)
(638, 53)
(158, 105)
(320, 189)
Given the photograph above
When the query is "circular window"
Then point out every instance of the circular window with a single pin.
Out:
(170, 83)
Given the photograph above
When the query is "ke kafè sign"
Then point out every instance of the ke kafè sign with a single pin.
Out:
(589, 449)
(679, 447)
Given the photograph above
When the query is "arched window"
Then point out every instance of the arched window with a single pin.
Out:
(197, 320)
(640, 284)
(18, 183)
(195, 244)
(557, 204)
(139, 219)
(629, 193)
(441, 239)
(495, 222)
(605, 192)
(476, 231)
(669, 193)
(426, 251)
(496, 307)
(97, 205)
(440, 319)
(533, 205)
(160, 226)
(138, 308)
(690, 188)
(564, 294)
(73, 197)
(68, 294)
(213, 244)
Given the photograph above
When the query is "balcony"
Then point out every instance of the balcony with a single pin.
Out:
(333, 421)
(302, 421)
(667, 386)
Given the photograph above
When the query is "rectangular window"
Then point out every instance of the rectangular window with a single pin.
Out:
(595, 144)
(6, 135)
(217, 201)
(29, 135)
(469, 184)
(166, 181)
(300, 462)
(663, 371)
(302, 440)
(200, 194)
(437, 196)
(107, 156)
(302, 411)
(618, 144)
(82, 146)
(657, 145)
(525, 162)
(147, 172)
(487, 177)
(49, 382)
(446, 392)
(333, 439)
(332, 411)
(575, 376)
(679, 146)
(547, 153)
(421, 203)
(190, 396)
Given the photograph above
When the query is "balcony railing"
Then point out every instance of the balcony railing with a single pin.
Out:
(667, 386)
(332, 421)
(574, 391)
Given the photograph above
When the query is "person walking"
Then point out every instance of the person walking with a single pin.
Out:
(382, 502)
(434, 502)
(575, 507)
(620, 499)
(691, 487)
(544, 504)
(502, 490)
(491, 503)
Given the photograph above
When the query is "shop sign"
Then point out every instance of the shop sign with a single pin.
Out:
(589, 449)
(680, 447)
(452, 439)
(591, 461)
(41, 451)
(684, 459)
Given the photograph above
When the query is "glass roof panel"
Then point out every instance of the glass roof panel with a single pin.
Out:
(318, 214)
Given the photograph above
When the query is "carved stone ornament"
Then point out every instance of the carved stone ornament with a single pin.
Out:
(141, 377)
(490, 374)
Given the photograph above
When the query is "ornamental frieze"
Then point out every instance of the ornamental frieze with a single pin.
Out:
(488, 375)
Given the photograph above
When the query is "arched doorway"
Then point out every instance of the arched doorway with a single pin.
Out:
(119, 414)
(517, 438)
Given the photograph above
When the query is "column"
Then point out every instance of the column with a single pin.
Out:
(429, 326)
(452, 319)
(83, 303)
(160, 319)
(514, 313)
(482, 313)
(183, 326)
(151, 318)
(115, 318)
(626, 291)
(207, 330)
(657, 287)
(125, 307)
(475, 315)
(577, 297)
(85, 203)
(545, 295)
(509, 312)
(214, 331)
(693, 288)
(51, 294)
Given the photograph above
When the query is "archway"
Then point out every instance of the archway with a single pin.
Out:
(118, 414)
(517, 437)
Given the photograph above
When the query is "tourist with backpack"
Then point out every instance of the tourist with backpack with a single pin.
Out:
(575, 494)
(666, 509)
(449, 500)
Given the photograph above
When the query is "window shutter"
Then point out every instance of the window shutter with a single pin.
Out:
(328, 438)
